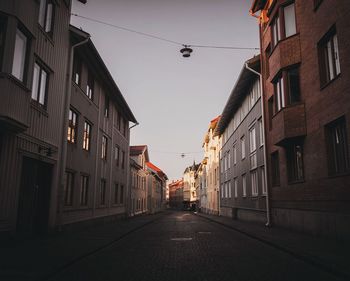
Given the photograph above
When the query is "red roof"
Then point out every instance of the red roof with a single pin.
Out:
(156, 169)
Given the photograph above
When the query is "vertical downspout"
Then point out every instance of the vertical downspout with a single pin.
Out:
(268, 213)
(128, 176)
(63, 156)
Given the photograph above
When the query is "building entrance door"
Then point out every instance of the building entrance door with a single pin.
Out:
(34, 197)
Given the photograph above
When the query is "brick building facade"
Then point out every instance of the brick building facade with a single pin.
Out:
(305, 74)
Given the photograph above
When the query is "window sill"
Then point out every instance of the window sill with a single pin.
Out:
(35, 105)
(325, 85)
(16, 81)
(293, 182)
(347, 173)
(48, 37)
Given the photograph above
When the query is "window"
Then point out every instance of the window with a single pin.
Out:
(2, 38)
(116, 191)
(261, 132)
(68, 189)
(104, 148)
(222, 190)
(90, 86)
(289, 20)
(243, 147)
(263, 183)
(46, 13)
(283, 25)
(235, 185)
(229, 159)
(271, 111)
(329, 64)
(337, 147)
(287, 89)
(123, 159)
(317, 3)
(84, 190)
(252, 147)
(254, 182)
(234, 154)
(295, 162)
(125, 127)
(244, 185)
(86, 136)
(77, 65)
(119, 121)
(39, 89)
(19, 56)
(279, 94)
(117, 155)
(275, 169)
(121, 199)
(103, 192)
(229, 190)
(106, 109)
(72, 126)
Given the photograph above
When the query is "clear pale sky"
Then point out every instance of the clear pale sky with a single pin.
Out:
(173, 98)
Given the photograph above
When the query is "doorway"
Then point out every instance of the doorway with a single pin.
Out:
(34, 197)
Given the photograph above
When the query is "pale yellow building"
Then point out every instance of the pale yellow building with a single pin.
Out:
(209, 191)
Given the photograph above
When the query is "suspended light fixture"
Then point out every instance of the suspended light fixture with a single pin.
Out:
(186, 51)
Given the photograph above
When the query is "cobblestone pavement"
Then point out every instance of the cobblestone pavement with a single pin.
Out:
(183, 247)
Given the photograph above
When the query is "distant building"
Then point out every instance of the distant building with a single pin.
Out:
(189, 191)
(305, 74)
(242, 167)
(176, 194)
(138, 180)
(156, 189)
(209, 193)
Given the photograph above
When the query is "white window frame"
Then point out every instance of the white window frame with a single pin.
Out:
(19, 55)
(254, 182)
(244, 185)
(40, 84)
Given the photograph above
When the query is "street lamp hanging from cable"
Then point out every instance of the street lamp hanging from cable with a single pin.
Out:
(186, 51)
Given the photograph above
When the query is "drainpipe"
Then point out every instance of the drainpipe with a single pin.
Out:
(268, 211)
(63, 157)
(128, 180)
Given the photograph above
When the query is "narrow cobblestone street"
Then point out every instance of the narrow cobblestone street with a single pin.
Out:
(181, 246)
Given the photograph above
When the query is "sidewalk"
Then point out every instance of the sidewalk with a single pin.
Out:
(38, 259)
(324, 253)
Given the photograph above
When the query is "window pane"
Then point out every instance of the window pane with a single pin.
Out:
(48, 23)
(42, 92)
(289, 20)
(35, 82)
(330, 60)
(19, 55)
(42, 12)
(336, 54)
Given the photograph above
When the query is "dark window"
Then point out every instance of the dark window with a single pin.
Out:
(72, 126)
(271, 111)
(103, 192)
(295, 162)
(68, 189)
(84, 190)
(123, 159)
(125, 127)
(329, 63)
(87, 136)
(106, 109)
(77, 66)
(267, 57)
(117, 155)
(40, 84)
(287, 89)
(283, 24)
(119, 121)
(3, 23)
(104, 148)
(90, 86)
(275, 169)
(46, 15)
(317, 3)
(20, 55)
(338, 154)
(116, 191)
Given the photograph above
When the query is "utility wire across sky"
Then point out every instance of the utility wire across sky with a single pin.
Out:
(186, 51)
